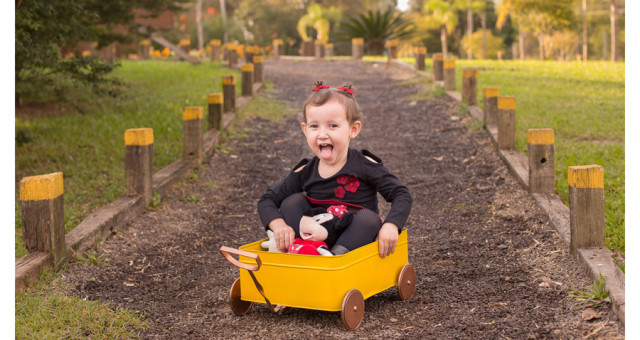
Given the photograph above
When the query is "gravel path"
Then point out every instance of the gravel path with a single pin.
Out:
(488, 263)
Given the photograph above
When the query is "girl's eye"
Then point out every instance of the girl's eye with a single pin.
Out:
(313, 126)
(334, 125)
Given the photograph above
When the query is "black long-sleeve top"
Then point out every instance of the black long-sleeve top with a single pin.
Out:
(357, 183)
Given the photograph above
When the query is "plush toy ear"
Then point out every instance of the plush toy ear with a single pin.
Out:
(344, 221)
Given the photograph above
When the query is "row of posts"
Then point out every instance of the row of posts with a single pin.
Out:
(586, 183)
(41, 197)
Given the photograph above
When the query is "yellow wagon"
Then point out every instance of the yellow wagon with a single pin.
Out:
(328, 283)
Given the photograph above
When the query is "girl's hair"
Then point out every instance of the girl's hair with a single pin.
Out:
(344, 95)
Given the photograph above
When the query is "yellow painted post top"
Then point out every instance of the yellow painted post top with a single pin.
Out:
(247, 68)
(328, 45)
(215, 42)
(490, 92)
(216, 98)
(469, 73)
(145, 42)
(357, 41)
(540, 137)
(41, 188)
(229, 80)
(319, 42)
(192, 112)
(391, 43)
(438, 56)
(277, 41)
(258, 59)
(142, 136)
(449, 64)
(586, 176)
(231, 46)
(86, 53)
(421, 50)
(185, 42)
(507, 103)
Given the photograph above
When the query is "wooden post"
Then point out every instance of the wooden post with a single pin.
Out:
(586, 206)
(229, 91)
(145, 49)
(357, 48)
(192, 145)
(506, 123)
(232, 55)
(258, 68)
(247, 79)
(319, 49)
(248, 54)
(490, 105)
(469, 86)
(184, 45)
(42, 206)
(215, 49)
(540, 147)
(438, 70)
(449, 75)
(138, 162)
(216, 102)
(308, 49)
(328, 50)
(420, 54)
(277, 48)
(392, 49)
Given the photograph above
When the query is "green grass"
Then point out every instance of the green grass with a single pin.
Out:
(88, 147)
(583, 103)
(45, 312)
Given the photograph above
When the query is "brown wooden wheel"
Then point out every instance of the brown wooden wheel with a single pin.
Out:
(238, 306)
(407, 282)
(352, 309)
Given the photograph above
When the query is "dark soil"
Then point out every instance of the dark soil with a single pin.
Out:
(488, 263)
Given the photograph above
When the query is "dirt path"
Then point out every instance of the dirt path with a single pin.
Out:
(488, 263)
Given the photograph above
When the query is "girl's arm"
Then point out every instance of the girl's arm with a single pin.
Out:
(387, 239)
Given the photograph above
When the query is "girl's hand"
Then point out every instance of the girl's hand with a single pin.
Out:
(387, 239)
(283, 234)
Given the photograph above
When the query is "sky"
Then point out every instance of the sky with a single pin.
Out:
(403, 5)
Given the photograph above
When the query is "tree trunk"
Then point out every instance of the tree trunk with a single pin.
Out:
(443, 40)
(223, 12)
(584, 31)
(614, 30)
(541, 44)
(521, 43)
(469, 28)
(483, 19)
(199, 26)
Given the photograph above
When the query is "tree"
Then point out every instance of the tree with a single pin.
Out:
(614, 30)
(42, 28)
(320, 19)
(265, 20)
(480, 42)
(442, 13)
(375, 28)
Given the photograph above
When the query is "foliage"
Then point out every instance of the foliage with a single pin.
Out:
(595, 295)
(266, 20)
(319, 18)
(375, 28)
(474, 43)
(562, 44)
(43, 28)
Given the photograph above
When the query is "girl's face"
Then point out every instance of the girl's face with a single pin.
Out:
(328, 132)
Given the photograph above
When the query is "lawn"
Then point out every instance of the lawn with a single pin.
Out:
(585, 106)
(86, 143)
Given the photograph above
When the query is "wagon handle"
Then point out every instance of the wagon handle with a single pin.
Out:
(226, 250)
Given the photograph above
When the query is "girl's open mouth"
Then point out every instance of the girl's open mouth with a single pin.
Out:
(326, 150)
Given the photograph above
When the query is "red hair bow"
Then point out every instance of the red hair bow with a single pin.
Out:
(350, 91)
(320, 87)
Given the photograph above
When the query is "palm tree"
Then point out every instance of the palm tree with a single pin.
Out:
(444, 14)
(375, 28)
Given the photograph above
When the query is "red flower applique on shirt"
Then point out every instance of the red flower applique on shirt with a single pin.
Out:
(350, 183)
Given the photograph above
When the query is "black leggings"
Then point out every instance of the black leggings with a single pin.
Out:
(363, 229)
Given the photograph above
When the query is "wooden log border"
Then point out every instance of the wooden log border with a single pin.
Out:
(103, 222)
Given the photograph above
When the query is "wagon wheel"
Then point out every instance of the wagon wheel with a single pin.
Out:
(352, 309)
(407, 282)
(238, 306)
